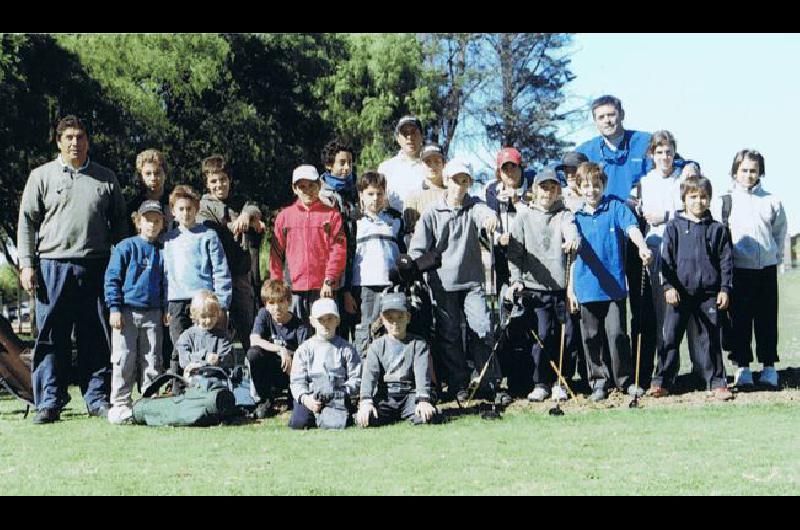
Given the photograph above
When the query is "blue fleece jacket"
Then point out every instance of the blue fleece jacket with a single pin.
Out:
(135, 276)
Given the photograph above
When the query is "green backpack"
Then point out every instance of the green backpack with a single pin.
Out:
(207, 400)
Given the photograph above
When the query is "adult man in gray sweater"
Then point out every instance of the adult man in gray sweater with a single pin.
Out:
(72, 211)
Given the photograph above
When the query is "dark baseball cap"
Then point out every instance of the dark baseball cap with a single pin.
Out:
(544, 175)
(572, 159)
(150, 206)
(430, 150)
(393, 301)
(406, 120)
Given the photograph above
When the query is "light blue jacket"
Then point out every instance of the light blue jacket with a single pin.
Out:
(195, 260)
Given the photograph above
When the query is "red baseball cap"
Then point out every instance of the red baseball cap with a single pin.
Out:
(508, 154)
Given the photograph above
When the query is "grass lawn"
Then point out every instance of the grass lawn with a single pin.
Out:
(685, 445)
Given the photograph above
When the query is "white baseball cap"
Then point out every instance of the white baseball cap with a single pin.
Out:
(305, 172)
(454, 167)
(324, 306)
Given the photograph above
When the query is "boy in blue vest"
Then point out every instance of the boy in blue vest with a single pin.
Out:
(136, 295)
(697, 272)
(599, 280)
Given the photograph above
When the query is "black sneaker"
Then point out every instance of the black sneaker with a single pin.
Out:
(46, 416)
(100, 412)
(263, 410)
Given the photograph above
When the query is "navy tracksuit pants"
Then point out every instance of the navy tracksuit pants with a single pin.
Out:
(700, 315)
(754, 307)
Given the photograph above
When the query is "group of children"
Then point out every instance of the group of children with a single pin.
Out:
(338, 251)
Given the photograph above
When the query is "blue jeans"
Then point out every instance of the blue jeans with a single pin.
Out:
(70, 293)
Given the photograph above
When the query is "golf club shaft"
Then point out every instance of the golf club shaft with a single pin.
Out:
(566, 316)
(564, 381)
(641, 322)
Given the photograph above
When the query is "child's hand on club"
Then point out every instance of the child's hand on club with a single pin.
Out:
(364, 412)
(424, 410)
(673, 298)
(723, 300)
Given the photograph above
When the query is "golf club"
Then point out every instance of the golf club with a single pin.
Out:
(556, 411)
(635, 401)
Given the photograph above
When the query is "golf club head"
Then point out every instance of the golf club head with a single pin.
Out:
(491, 413)
(634, 404)
(556, 411)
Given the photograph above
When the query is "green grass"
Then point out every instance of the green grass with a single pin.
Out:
(745, 447)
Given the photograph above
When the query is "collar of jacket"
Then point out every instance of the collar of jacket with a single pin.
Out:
(755, 190)
(706, 220)
(443, 205)
(316, 206)
(605, 204)
(72, 169)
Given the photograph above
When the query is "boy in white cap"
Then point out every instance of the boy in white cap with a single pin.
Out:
(397, 372)
(452, 227)
(308, 238)
(326, 373)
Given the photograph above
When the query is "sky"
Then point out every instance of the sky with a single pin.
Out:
(717, 93)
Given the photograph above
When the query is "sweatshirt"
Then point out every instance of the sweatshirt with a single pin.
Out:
(68, 213)
(195, 260)
(318, 357)
(135, 276)
(456, 232)
(696, 257)
(196, 343)
(406, 362)
(404, 176)
(535, 256)
(311, 242)
(758, 227)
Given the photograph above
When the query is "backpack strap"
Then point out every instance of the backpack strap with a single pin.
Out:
(727, 206)
(160, 381)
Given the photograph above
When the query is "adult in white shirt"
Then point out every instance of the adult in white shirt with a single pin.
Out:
(405, 172)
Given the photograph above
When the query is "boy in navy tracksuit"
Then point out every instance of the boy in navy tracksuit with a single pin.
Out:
(697, 272)
(136, 295)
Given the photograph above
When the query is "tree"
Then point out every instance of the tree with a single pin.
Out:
(452, 75)
(524, 97)
(378, 83)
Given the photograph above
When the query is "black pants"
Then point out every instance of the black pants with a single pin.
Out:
(754, 306)
(545, 312)
(698, 313)
(265, 370)
(179, 321)
(601, 321)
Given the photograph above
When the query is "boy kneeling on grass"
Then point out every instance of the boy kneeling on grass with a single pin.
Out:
(697, 273)
(326, 373)
(204, 344)
(397, 372)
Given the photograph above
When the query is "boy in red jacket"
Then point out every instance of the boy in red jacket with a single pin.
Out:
(308, 240)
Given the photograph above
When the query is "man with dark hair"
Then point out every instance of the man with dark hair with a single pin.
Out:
(71, 212)
(405, 172)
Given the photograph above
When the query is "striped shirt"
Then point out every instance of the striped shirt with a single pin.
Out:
(378, 244)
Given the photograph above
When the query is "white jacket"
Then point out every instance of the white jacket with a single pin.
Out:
(404, 176)
(758, 227)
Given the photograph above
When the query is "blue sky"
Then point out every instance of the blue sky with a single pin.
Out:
(717, 93)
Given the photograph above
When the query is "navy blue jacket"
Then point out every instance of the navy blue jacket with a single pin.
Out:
(135, 276)
(697, 258)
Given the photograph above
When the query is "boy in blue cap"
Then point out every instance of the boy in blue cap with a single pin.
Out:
(599, 280)
(136, 295)
(397, 372)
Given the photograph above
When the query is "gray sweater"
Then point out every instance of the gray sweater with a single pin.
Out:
(318, 357)
(213, 209)
(75, 213)
(535, 256)
(462, 266)
(407, 361)
(196, 343)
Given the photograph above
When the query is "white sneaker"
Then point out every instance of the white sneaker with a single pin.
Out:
(559, 394)
(539, 394)
(744, 377)
(120, 415)
(769, 377)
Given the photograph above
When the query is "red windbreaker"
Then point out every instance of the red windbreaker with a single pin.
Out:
(312, 243)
